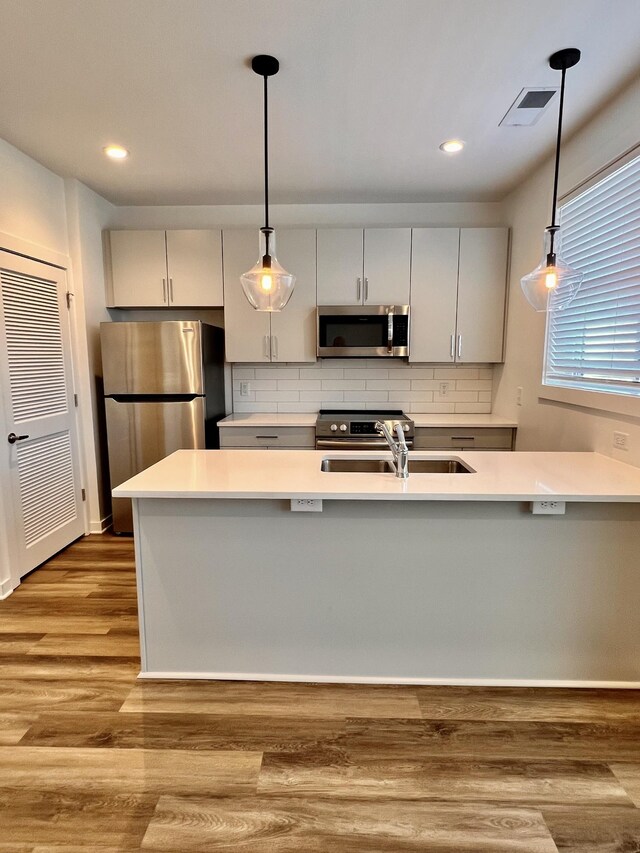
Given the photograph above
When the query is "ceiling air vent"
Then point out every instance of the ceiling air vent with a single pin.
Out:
(528, 107)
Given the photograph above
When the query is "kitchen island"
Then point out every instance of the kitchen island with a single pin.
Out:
(443, 578)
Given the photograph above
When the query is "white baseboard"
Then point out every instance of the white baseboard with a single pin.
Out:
(100, 526)
(357, 679)
(7, 587)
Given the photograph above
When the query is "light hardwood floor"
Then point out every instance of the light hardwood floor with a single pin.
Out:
(91, 760)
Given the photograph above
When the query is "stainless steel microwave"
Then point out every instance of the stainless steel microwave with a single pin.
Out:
(365, 331)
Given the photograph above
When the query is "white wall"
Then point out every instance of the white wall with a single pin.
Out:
(544, 425)
(31, 201)
(88, 215)
(314, 215)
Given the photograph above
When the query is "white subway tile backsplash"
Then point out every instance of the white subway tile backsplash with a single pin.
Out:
(277, 373)
(365, 373)
(473, 385)
(299, 385)
(321, 397)
(412, 373)
(256, 384)
(388, 384)
(371, 396)
(343, 385)
(241, 374)
(425, 384)
(362, 383)
(455, 373)
(277, 396)
(402, 397)
(315, 373)
(255, 407)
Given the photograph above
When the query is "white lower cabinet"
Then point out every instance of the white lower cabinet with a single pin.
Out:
(268, 438)
(458, 292)
(464, 438)
(255, 336)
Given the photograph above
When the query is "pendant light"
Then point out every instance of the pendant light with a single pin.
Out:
(553, 284)
(267, 285)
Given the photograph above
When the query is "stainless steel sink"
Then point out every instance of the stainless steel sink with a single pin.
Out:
(353, 466)
(442, 465)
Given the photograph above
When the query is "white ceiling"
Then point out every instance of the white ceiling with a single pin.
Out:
(366, 92)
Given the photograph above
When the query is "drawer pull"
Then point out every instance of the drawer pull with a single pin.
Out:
(463, 438)
(267, 436)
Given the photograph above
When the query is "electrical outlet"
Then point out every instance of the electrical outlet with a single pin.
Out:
(620, 440)
(245, 389)
(306, 505)
(519, 395)
(443, 390)
(548, 507)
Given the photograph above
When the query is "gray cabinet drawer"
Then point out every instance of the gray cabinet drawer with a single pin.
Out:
(482, 438)
(268, 437)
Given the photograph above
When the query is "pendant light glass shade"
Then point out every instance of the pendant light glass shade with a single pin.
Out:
(268, 286)
(553, 284)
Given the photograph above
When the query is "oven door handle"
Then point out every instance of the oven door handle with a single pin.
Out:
(346, 444)
(390, 317)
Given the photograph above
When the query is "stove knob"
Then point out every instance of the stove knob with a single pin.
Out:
(334, 427)
(343, 427)
(405, 427)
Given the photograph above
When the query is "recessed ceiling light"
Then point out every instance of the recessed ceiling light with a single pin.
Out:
(452, 146)
(116, 152)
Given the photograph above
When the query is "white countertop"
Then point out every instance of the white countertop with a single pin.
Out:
(292, 419)
(499, 476)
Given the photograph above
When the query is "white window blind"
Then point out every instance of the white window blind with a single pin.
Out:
(594, 343)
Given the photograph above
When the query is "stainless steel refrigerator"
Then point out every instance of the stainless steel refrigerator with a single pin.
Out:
(164, 391)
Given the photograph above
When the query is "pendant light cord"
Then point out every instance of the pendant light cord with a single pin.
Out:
(554, 204)
(266, 156)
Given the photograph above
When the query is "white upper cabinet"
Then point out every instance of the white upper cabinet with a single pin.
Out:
(293, 330)
(387, 266)
(458, 289)
(434, 294)
(194, 266)
(154, 269)
(340, 261)
(246, 331)
(370, 267)
(287, 335)
(138, 269)
(481, 294)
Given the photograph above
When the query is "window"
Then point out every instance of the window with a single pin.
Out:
(594, 343)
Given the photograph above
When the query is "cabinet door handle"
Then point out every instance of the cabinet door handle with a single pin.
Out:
(358, 289)
(452, 350)
(459, 346)
(171, 289)
(274, 346)
(267, 349)
(164, 290)
(366, 290)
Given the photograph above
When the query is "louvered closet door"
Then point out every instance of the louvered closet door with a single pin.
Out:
(35, 368)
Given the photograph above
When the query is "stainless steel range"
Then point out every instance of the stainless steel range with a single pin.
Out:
(344, 429)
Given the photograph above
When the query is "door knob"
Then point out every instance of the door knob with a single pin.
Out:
(12, 437)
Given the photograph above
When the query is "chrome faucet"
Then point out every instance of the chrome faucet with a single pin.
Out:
(399, 448)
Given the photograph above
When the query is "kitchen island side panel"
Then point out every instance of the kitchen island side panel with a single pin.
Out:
(431, 591)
